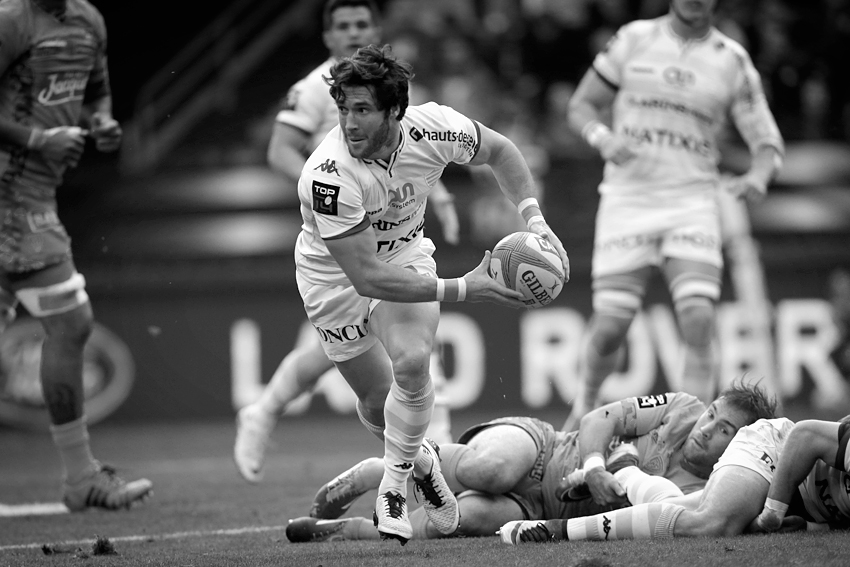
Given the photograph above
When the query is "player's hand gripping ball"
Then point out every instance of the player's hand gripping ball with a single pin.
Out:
(529, 264)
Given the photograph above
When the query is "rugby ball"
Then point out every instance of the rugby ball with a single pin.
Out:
(529, 264)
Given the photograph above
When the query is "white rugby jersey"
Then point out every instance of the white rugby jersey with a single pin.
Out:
(338, 191)
(673, 98)
(309, 105)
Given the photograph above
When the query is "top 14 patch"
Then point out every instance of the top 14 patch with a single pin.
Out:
(325, 197)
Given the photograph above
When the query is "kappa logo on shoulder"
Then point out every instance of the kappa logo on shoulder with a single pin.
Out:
(328, 167)
(325, 197)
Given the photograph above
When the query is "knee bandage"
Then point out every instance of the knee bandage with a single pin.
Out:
(56, 298)
(617, 303)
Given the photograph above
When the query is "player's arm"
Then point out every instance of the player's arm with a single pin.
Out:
(287, 150)
(372, 277)
(62, 145)
(592, 100)
(103, 128)
(596, 431)
(517, 183)
(807, 442)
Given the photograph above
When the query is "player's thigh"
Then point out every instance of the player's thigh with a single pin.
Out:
(483, 514)
(369, 374)
(733, 496)
(499, 457)
(406, 330)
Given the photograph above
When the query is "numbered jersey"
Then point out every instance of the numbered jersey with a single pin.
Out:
(340, 194)
(674, 97)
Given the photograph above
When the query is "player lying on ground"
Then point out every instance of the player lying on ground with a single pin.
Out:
(734, 495)
(811, 479)
(514, 468)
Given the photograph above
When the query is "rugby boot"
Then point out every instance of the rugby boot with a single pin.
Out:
(438, 500)
(103, 488)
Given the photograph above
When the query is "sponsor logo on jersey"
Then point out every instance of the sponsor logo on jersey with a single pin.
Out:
(648, 402)
(679, 77)
(325, 197)
(464, 140)
(415, 133)
(344, 334)
(40, 221)
(401, 196)
(389, 245)
(63, 88)
(769, 461)
(328, 167)
(670, 139)
(670, 106)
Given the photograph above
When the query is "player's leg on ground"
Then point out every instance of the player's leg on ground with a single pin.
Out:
(695, 288)
(297, 373)
(616, 300)
(642, 488)
(336, 496)
(482, 514)
(495, 460)
(807, 442)
(733, 496)
(67, 321)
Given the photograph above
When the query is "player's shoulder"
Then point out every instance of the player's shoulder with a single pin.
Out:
(332, 161)
(640, 29)
(15, 13)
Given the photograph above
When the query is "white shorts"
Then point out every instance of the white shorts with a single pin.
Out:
(635, 231)
(758, 446)
(341, 316)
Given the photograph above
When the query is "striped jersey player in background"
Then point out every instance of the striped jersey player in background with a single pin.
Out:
(669, 85)
(54, 83)
(365, 269)
(308, 115)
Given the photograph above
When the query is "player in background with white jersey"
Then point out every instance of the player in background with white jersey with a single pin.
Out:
(308, 115)
(54, 82)
(516, 468)
(811, 479)
(365, 269)
(669, 85)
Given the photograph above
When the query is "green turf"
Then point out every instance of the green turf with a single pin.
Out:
(201, 509)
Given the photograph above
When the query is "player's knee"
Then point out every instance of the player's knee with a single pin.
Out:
(411, 364)
(698, 524)
(608, 333)
(487, 472)
(696, 315)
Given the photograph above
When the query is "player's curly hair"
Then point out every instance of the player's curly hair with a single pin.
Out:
(377, 69)
(751, 399)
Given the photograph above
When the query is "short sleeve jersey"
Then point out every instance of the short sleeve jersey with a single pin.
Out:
(674, 97)
(658, 426)
(309, 105)
(338, 192)
(48, 65)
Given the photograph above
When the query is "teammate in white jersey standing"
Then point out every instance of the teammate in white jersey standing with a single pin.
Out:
(669, 85)
(308, 115)
(365, 269)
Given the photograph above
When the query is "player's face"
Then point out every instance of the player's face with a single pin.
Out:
(351, 28)
(695, 14)
(712, 433)
(370, 133)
